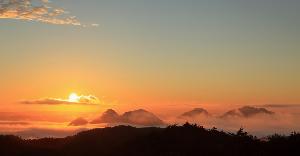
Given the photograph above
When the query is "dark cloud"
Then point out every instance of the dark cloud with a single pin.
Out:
(137, 117)
(78, 122)
(48, 101)
(247, 111)
(194, 113)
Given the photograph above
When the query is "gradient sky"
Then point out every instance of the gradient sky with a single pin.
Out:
(153, 53)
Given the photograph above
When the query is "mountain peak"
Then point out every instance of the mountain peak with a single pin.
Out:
(195, 112)
(247, 111)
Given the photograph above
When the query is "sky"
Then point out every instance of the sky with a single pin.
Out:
(164, 56)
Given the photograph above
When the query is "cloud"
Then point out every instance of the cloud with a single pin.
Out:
(138, 117)
(88, 99)
(256, 120)
(36, 10)
(48, 101)
(33, 133)
(282, 105)
(78, 122)
(95, 25)
(82, 99)
(13, 123)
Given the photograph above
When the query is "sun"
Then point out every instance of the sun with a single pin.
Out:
(73, 97)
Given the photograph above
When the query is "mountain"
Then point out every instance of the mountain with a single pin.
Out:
(138, 117)
(247, 111)
(190, 140)
(109, 116)
(194, 113)
(231, 113)
(141, 117)
(78, 122)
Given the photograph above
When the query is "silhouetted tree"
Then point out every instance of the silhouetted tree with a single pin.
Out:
(187, 140)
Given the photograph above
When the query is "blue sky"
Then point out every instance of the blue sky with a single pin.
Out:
(172, 49)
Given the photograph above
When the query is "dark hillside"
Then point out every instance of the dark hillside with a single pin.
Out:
(173, 140)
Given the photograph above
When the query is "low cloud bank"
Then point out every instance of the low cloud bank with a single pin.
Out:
(34, 133)
(256, 120)
(282, 105)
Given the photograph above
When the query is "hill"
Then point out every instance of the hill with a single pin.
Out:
(173, 140)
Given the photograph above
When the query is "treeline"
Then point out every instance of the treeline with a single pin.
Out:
(188, 139)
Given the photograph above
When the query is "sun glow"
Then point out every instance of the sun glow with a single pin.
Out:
(73, 97)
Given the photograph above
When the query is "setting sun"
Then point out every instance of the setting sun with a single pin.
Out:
(73, 97)
(210, 77)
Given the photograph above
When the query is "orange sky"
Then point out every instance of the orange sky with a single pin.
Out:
(167, 58)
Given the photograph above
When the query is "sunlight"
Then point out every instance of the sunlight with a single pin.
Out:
(73, 97)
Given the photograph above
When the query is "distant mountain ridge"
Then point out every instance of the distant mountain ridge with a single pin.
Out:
(136, 117)
(194, 113)
(109, 116)
(141, 117)
(247, 111)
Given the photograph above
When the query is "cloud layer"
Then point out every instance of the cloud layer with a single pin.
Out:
(256, 120)
(82, 99)
(36, 10)
(282, 105)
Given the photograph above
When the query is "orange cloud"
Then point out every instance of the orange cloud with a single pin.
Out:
(36, 10)
(82, 99)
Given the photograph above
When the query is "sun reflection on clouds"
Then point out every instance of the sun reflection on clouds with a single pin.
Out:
(72, 99)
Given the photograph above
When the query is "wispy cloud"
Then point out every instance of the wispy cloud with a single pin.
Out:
(82, 99)
(36, 10)
(282, 105)
(13, 123)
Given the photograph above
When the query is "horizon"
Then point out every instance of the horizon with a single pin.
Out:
(67, 60)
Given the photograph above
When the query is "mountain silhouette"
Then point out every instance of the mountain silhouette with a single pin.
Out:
(194, 113)
(186, 140)
(109, 116)
(138, 117)
(141, 117)
(78, 122)
(247, 111)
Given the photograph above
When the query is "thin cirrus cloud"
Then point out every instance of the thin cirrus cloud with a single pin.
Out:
(36, 10)
(82, 99)
(282, 105)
